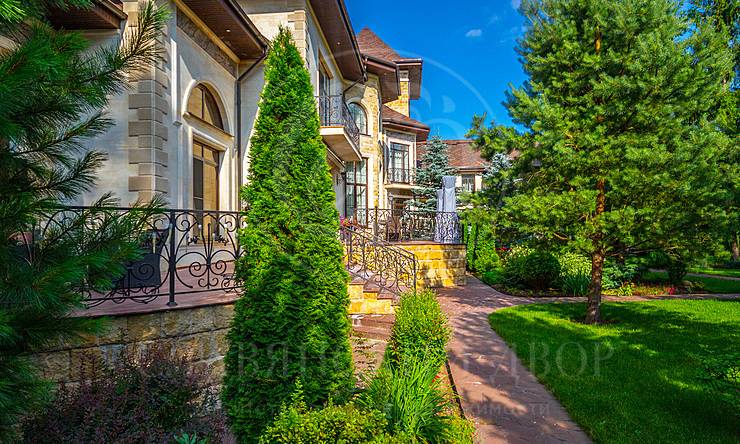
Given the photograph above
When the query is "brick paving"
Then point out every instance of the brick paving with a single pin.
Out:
(504, 399)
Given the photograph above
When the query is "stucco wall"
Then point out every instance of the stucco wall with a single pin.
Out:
(438, 265)
(198, 333)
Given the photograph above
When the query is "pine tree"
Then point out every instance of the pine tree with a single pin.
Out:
(619, 155)
(724, 16)
(435, 164)
(291, 321)
(52, 90)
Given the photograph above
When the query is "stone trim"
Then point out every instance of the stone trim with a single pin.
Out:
(149, 104)
(438, 265)
(200, 38)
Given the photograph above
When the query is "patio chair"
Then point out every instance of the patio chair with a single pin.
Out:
(146, 272)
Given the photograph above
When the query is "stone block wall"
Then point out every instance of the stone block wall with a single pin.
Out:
(198, 333)
(438, 265)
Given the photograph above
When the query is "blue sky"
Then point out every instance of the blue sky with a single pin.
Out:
(468, 49)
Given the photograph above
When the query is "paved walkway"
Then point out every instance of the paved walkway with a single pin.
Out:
(504, 399)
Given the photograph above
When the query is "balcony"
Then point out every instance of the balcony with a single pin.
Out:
(401, 176)
(338, 128)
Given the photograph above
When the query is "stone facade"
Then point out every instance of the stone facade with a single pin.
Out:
(402, 104)
(197, 333)
(438, 265)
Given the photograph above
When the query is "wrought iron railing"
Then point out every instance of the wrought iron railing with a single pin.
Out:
(401, 175)
(389, 267)
(333, 111)
(182, 252)
(409, 225)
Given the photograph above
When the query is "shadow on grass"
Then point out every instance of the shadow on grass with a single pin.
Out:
(634, 380)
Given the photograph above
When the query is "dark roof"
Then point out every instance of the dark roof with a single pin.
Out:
(394, 119)
(102, 14)
(337, 28)
(374, 46)
(462, 155)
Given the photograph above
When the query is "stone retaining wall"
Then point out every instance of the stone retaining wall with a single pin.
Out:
(438, 265)
(198, 333)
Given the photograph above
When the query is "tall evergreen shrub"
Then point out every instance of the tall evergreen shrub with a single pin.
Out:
(291, 322)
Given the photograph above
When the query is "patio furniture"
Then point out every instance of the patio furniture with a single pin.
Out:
(146, 272)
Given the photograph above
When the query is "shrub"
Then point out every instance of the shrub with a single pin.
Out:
(346, 424)
(145, 397)
(420, 330)
(617, 274)
(481, 249)
(537, 270)
(411, 397)
(291, 321)
(575, 274)
(493, 277)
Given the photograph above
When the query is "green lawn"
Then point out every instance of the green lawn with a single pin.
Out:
(711, 285)
(716, 271)
(648, 389)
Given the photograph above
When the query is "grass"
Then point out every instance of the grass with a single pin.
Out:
(636, 379)
(717, 272)
(711, 285)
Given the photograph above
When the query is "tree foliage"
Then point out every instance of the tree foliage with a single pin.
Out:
(435, 164)
(291, 322)
(618, 150)
(52, 90)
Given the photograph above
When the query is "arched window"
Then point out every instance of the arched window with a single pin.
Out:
(359, 115)
(202, 104)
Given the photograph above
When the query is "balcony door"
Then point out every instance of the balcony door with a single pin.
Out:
(399, 163)
(355, 199)
(205, 188)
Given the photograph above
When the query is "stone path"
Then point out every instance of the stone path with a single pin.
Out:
(504, 399)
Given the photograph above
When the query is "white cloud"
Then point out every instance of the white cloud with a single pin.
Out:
(474, 33)
(516, 4)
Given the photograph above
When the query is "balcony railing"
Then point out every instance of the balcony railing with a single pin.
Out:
(401, 175)
(407, 225)
(182, 252)
(333, 111)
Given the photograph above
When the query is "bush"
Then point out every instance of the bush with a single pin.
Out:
(148, 397)
(617, 275)
(411, 397)
(291, 321)
(537, 270)
(575, 274)
(481, 249)
(493, 277)
(420, 330)
(345, 424)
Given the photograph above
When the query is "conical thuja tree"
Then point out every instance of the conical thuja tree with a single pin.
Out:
(291, 322)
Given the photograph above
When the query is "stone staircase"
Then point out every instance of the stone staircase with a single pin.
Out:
(380, 272)
(368, 298)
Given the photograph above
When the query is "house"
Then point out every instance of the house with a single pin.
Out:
(468, 165)
(183, 131)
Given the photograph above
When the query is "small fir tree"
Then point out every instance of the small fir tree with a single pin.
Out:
(619, 151)
(291, 322)
(52, 90)
(435, 164)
